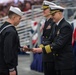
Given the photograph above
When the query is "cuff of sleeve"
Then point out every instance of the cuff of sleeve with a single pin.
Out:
(44, 51)
(11, 70)
(48, 49)
(41, 46)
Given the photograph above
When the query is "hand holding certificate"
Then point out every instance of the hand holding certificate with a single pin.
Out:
(34, 50)
(28, 49)
(25, 48)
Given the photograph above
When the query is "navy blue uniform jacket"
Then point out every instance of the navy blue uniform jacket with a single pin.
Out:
(9, 48)
(62, 46)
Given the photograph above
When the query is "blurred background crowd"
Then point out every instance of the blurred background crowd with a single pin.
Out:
(25, 5)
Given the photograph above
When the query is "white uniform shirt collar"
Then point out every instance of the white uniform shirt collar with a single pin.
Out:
(59, 21)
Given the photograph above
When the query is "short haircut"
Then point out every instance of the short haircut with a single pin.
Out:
(10, 14)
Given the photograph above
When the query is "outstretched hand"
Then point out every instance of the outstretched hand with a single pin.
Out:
(34, 50)
(37, 50)
(25, 48)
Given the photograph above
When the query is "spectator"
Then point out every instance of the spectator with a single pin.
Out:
(27, 6)
(20, 5)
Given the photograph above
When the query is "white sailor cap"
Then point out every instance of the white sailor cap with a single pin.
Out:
(56, 7)
(46, 4)
(16, 10)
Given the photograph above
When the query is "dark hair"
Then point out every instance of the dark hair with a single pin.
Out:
(10, 14)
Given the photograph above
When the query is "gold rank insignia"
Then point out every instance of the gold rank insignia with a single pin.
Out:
(41, 45)
(49, 26)
(48, 48)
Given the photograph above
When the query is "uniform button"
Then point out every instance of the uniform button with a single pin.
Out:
(53, 54)
(56, 54)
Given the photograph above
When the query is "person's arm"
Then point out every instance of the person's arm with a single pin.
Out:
(12, 73)
(9, 50)
(61, 40)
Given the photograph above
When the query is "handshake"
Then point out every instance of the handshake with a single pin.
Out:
(34, 50)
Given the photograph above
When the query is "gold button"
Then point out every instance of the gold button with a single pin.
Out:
(56, 54)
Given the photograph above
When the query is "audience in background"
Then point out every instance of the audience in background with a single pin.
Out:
(27, 6)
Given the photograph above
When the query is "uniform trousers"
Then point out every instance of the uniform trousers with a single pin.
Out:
(65, 72)
(49, 68)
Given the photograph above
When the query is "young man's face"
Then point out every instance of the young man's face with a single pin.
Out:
(17, 20)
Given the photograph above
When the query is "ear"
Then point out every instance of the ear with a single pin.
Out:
(13, 17)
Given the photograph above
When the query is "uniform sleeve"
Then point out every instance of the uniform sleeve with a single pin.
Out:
(63, 37)
(60, 41)
(9, 50)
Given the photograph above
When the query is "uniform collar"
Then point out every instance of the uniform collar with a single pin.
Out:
(59, 21)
